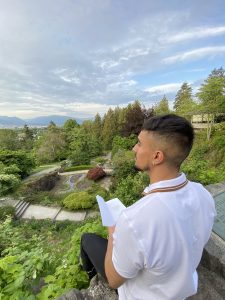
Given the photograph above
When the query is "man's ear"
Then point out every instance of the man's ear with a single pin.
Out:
(159, 157)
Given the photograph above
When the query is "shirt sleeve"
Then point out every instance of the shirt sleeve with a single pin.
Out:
(127, 255)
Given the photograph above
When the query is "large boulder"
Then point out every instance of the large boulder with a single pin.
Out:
(96, 173)
(44, 183)
(98, 290)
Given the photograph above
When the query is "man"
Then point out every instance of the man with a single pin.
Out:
(154, 249)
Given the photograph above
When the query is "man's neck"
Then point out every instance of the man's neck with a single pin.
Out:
(157, 175)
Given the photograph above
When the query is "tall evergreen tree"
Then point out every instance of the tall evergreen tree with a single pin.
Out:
(162, 107)
(109, 129)
(134, 119)
(211, 96)
(184, 104)
(97, 126)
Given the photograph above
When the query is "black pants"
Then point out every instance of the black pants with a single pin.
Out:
(92, 252)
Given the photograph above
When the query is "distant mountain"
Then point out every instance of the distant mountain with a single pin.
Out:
(45, 120)
(10, 122)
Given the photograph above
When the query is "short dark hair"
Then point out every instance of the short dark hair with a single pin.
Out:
(176, 130)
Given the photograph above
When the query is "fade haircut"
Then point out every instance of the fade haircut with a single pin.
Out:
(174, 131)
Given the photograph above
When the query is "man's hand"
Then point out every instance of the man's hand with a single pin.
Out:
(114, 279)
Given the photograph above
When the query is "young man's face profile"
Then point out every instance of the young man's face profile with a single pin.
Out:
(144, 151)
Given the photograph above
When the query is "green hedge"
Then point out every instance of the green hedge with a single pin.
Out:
(78, 168)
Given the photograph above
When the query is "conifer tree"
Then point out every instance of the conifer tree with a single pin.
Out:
(162, 107)
(184, 104)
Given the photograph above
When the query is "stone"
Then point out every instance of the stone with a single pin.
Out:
(96, 173)
(98, 290)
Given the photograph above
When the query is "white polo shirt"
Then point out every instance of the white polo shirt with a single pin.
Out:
(158, 241)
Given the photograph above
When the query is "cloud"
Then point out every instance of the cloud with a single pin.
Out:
(195, 33)
(55, 56)
(163, 88)
(195, 54)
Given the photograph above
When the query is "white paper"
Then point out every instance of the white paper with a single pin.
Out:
(110, 210)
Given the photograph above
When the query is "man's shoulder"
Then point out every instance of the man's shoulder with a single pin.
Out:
(149, 204)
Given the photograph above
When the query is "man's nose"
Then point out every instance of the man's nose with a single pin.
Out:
(134, 148)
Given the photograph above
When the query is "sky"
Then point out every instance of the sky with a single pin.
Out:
(80, 57)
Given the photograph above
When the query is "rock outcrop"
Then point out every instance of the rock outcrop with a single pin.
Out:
(98, 290)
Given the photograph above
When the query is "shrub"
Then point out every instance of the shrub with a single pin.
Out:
(69, 274)
(6, 211)
(129, 189)
(79, 200)
(8, 183)
(21, 159)
(123, 162)
(123, 143)
(96, 189)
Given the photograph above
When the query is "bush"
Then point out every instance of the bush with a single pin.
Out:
(21, 159)
(79, 200)
(123, 143)
(68, 274)
(96, 189)
(8, 183)
(6, 211)
(123, 162)
(129, 189)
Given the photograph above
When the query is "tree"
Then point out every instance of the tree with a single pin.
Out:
(83, 146)
(134, 118)
(26, 138)
(8, 139)
(109, 129)
(184, 104)
(162, 107)
(212, 97)
(51, 145)
(70, 124)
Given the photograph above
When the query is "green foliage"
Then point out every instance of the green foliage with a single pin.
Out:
(68, 274)
(134, 118)
(6, 211)
(8, 183)
(129, 189)
(211, 95)
(184, 104)
(24, 161)
(51, 145)
(123, 162)
(30, 250)
(162, 107)
(79, 200)
(8, 138)
(126, 143)
(96, 189)
(83, 147)
(206, 162)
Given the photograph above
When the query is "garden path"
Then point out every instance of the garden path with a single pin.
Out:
(24, 210)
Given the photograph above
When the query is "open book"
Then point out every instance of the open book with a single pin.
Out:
(110, 210)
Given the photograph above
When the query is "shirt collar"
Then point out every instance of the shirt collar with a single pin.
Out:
(166, 183)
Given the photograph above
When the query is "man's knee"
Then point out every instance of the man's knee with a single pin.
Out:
(86, 238)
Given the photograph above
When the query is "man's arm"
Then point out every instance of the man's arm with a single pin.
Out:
(114, 279)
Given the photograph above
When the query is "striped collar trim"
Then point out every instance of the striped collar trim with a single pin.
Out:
(167, 185)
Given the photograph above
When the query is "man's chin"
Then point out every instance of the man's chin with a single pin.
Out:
(137, 168)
